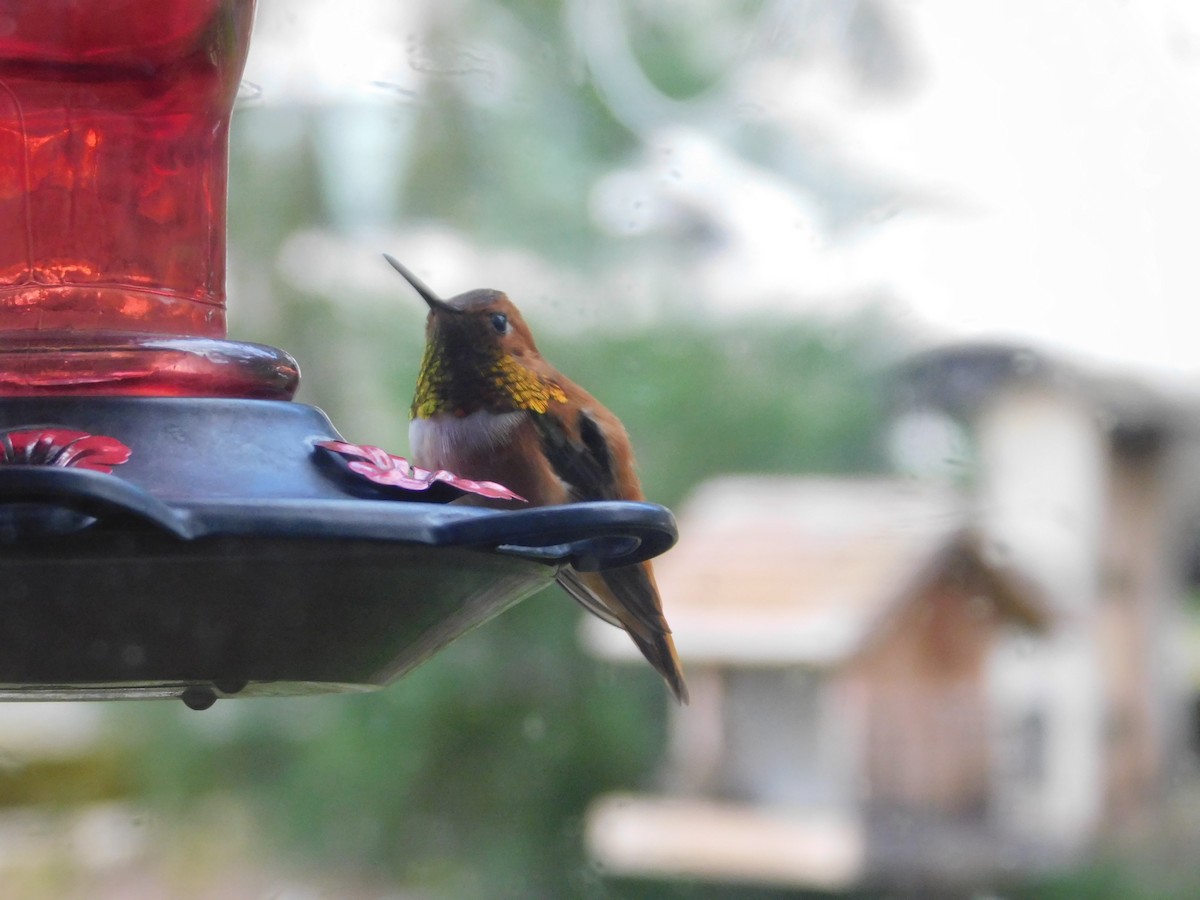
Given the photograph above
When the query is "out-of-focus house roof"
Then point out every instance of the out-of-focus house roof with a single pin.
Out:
(960, 379)
(804, 571)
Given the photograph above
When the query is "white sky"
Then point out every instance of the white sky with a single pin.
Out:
(1065, 137)
(1058, 141)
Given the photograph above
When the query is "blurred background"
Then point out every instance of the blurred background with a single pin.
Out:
(895, 298)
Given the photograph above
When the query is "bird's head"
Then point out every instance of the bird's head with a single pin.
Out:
(478, 354)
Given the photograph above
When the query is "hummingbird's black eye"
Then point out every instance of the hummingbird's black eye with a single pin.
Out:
(500, 323)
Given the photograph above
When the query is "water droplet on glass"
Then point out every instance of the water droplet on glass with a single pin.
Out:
(534, 727)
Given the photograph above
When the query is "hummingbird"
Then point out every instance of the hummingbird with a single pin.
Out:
(488, 406)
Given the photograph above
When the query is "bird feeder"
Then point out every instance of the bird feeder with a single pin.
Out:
(171, 522)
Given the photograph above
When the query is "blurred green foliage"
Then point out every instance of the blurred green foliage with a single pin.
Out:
(703, 399)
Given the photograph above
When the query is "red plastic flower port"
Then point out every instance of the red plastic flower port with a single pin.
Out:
(381, 467)
(49, 446)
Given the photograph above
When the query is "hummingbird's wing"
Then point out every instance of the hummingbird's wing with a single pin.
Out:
(588, 458)
(581, 456)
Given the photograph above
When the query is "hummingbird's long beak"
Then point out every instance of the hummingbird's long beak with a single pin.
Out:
(431, 299)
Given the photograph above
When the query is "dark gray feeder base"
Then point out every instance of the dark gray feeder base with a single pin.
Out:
(231, 557)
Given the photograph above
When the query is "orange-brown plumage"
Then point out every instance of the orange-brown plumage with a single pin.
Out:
(488, 406)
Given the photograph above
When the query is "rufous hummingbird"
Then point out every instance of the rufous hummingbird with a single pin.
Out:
(489, 407)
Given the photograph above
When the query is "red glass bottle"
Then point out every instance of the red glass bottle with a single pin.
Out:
(114, 118)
